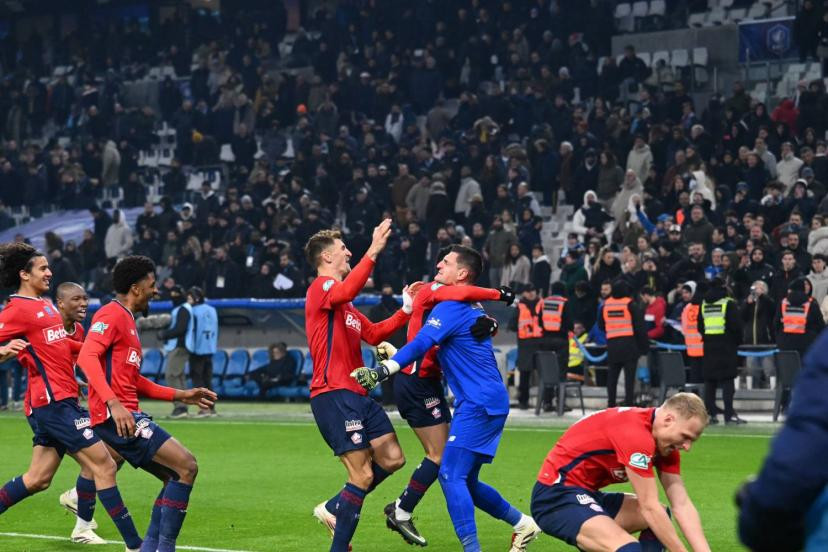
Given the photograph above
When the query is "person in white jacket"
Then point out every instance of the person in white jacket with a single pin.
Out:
(591, 212)
(640, 158)
(469, 187)
(119, 238)
(787, 169)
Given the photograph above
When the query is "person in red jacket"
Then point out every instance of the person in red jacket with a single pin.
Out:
(654, 312)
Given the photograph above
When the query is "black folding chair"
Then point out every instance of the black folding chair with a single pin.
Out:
(672, 374)
(787, 368)
(549, 375)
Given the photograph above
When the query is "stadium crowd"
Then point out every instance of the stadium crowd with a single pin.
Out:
(667, 192)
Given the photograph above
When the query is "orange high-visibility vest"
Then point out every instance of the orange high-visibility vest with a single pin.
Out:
(553, 313)
(528, 325)
(690, 327)
(794, 319)
(618, 318)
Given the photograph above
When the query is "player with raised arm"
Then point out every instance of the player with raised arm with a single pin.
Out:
(613, 446)
(111, 359)
(355, 427)
(58, 422)
(419, 395)
(481, 406)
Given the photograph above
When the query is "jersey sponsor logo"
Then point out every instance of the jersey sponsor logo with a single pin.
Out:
(620, 474)
(353, 425)
(353, 322)
(584, 499)
(54, 334)
(327, 285)
(133, 357)
(81, 423)
(356, 438)
(40, 314)
(434, 323)
(436, 413)
(640, 460)
(431, 402)
(98, 327)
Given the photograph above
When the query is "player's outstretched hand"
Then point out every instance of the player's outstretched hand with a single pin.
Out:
(409, 293)
(368, 378)
(385, 351)
(124, 422)
(380, 238)
(507, 294)
(11, 348)
(483, 327)
(199, 396)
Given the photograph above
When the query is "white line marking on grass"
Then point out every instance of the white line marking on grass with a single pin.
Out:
(56, 538)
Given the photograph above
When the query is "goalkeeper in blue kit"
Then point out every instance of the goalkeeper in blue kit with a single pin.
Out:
(481, 404)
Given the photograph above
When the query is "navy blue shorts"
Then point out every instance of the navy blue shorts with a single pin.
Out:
(421, 401)
(349, 421)
(561, 510)
(62, 425)
(140, 449)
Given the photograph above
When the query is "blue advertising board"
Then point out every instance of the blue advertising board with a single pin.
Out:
(767, 40)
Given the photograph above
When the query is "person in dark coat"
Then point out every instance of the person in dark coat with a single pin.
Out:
(756, 314)
(541, 271)
(628, 344)
(281, 371)
(721, 331)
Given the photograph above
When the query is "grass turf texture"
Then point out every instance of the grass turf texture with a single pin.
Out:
(263, 467)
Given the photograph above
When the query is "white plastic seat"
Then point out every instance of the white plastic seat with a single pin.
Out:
(657, 7)
(661, 55)
(226, 154)
(680, 58)
(700, 56)
(757, 11)
(737, 14)
(695, 20)
(623, 10)
(645, 57)
(639, 9)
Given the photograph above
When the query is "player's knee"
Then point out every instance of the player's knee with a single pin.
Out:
(396, 462)
(38, 481)
(435, 456)
(188, 470)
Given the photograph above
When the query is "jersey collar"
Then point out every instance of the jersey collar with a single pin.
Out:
(123, 307)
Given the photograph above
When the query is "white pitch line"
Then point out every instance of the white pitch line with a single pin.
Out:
(56, 538)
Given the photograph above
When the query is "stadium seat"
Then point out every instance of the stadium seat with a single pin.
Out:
(737, 14)
(657, 8)
(151, 364)
(549, 372)
(624, 21)
(219, 367)
(511, 360)
(671, 373)
(661, 55)
(259, 358)
(695, 20)
(680, 58)
(233, 382)
(700, 56)
(307, 367)
(645, 57)
(757, 11)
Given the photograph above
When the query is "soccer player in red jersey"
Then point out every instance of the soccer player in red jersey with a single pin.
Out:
(419, 395)
(613, 446)
(111, 359)
(352, 424)
(58, 422)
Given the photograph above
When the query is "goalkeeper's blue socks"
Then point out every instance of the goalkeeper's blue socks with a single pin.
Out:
(422, 478)
(347, 516)
(173, 511)
(151, 538)
(12, 492)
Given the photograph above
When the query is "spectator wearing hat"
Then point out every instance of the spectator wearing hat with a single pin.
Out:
(798, 319)
(721, 330)
(586, 178)
(527, 322)
(757, 312)
(690, 314)
(363, 209)
(119, 237)
(591, 219)
(573, 271)
(201, 341)
(610, 177)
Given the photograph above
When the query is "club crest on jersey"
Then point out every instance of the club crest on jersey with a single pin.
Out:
(640, 460)
(327, 285)
(353, 425)
(353, 322)
(81, 423)
(54, 333)
(431, 402)
(133, 357)
(98, 327)
(434, 323)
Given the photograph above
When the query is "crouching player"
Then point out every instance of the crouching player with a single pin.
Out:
(613, 446)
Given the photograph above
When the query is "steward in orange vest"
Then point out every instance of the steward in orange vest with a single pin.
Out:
(557, 326)
(692, 336)
(798, 319)
(528, 323)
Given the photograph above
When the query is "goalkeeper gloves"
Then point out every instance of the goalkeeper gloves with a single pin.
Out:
(369, 378)
(385, 351)
(484, 326)
(507, 295)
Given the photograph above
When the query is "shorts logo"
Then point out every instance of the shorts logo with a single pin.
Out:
(596, 507)
(353, 322)
(356, 438)
(640, 460)
(54, 334)
(98, 327)
(452, 438)
(620, 474)
(327, 285)
(431, 402)
(353, 425)
(88, 433)
(143, 429)
(81, 423)
(434, 323)
(584, 499)
(133, 357)
(436, 413)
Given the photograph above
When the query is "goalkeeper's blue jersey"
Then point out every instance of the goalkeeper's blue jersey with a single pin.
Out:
(468, 364)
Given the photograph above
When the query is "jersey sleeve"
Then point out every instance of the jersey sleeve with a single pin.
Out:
(151, 390)
(442, 323)
(634, 449)
(669, 464)
(376, 332)
(102, 334)
(465, 294)
(333, 293)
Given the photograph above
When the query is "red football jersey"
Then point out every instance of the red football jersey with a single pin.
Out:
(428, 296)
(28, 363)
(51, 373)
(335, 329)
(595, 451)
(111, 359)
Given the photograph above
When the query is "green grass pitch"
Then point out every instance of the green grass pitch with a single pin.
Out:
(262, 469)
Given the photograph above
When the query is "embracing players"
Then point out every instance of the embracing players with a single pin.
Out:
(111, 359)
(613, 446)
(355, 427)
(58, 422)
(481, 406)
